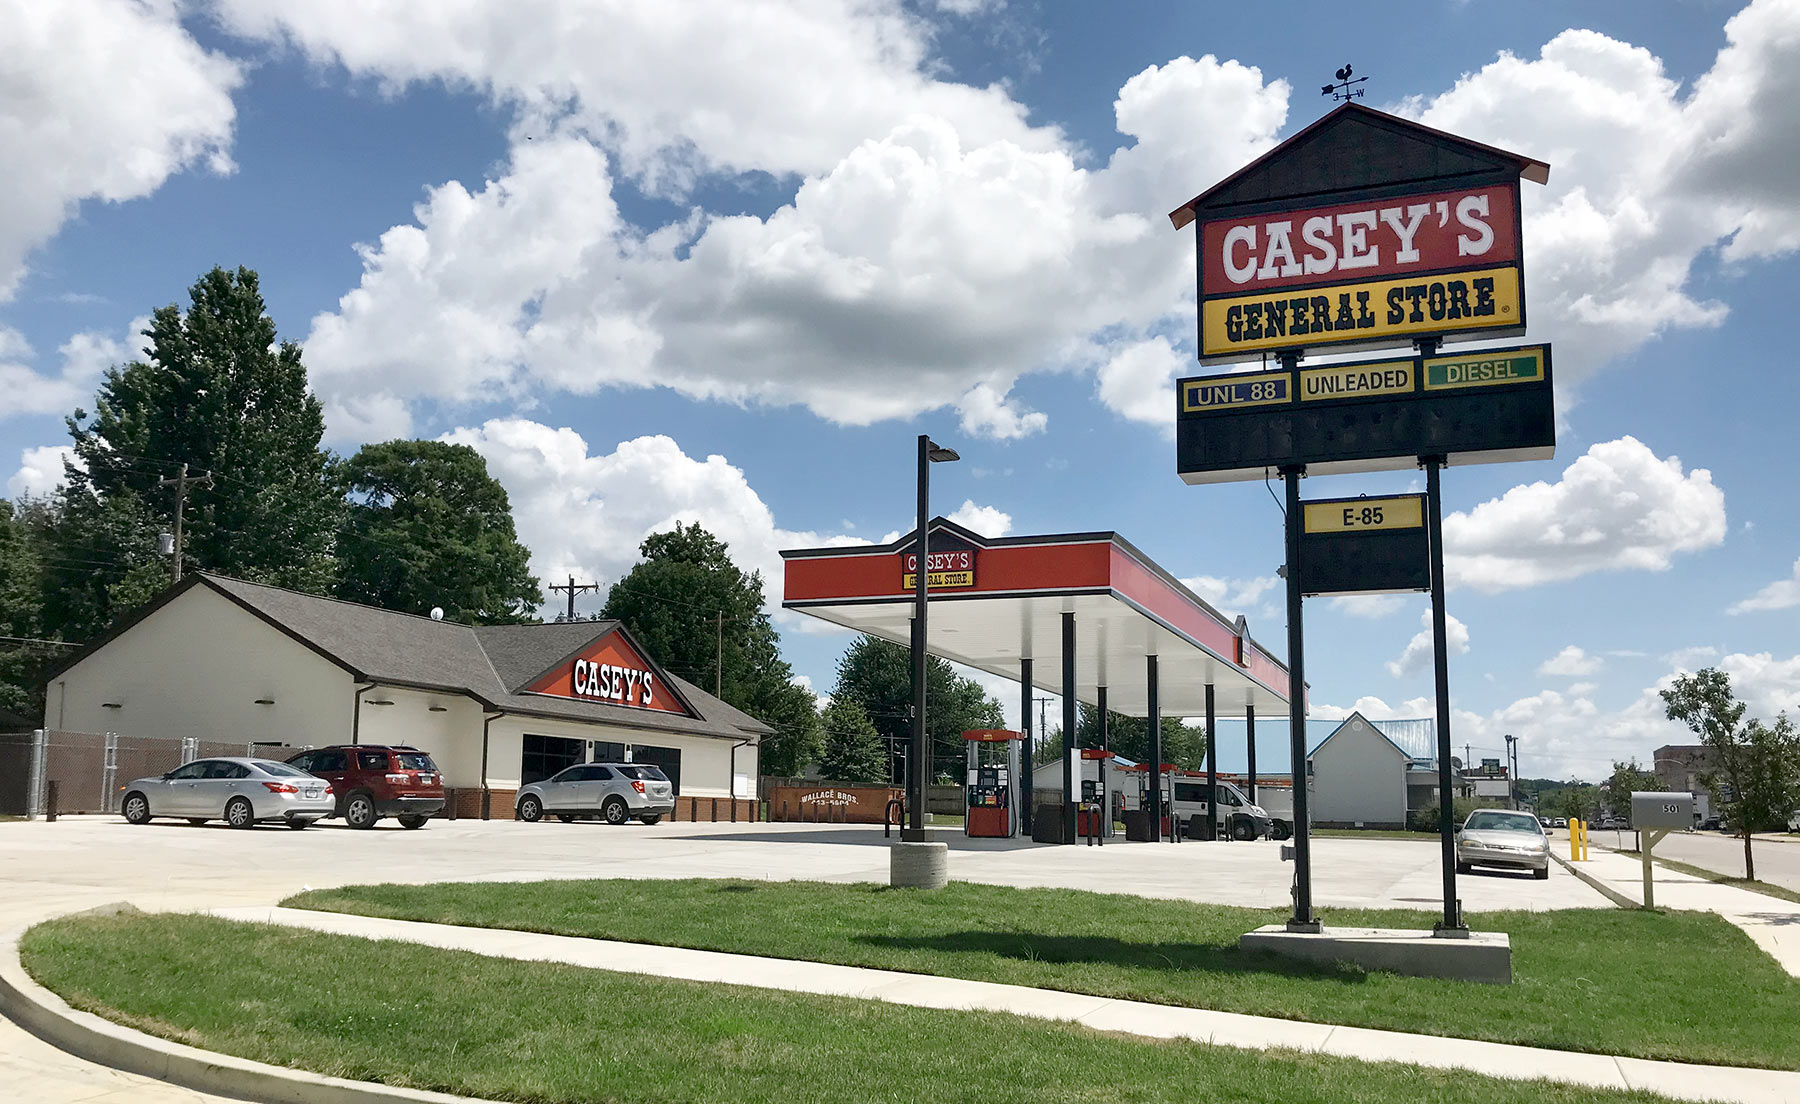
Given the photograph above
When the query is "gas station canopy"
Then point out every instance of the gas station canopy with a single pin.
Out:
(996, 602)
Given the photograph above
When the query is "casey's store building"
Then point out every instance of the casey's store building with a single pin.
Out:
(496, 706)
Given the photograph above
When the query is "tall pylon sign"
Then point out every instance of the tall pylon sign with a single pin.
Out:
(1364, 231)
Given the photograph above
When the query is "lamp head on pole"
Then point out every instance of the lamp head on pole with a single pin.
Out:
(938, 454)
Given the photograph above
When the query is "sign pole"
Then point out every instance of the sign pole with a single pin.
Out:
(916, 765)
(1452, 923)
(1303, 919)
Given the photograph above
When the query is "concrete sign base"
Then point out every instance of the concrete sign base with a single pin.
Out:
(1481, 956)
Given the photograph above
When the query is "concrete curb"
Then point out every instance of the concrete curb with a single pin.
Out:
(1596, 884)
(99, 1040)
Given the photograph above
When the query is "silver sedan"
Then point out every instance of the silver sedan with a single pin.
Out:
(1498, 837)
(239, 791)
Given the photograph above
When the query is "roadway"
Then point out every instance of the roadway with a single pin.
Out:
(1777, 857)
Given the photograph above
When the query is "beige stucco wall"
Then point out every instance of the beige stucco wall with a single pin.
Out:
(195, 668)
(705, 762)
(1359, 776)
(452, 737)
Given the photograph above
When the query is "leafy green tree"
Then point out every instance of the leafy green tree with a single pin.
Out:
(1575, 800)
(1754, 773)
(1627, 779)
(217, 392)
(428, 526)
(22, 662)
(1130, 737)
(852, 751)
(877, 675)
(702, 617)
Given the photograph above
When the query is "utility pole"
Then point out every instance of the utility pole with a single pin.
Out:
(1042, 704)
(573, 590)
(181, 483)
(719, 623)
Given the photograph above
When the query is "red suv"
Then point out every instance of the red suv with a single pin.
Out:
(378, 780)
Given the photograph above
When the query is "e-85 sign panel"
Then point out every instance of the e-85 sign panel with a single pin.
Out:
(1486, 407)
(1364, 545)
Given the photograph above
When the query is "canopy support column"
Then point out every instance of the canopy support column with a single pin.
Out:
(1026, 782)
(1153, 769)
(1071, 740)
(1213, 803)
(1250, 741)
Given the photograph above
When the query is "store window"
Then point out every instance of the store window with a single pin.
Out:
(607, 752)
(546, 755)
(669, 759)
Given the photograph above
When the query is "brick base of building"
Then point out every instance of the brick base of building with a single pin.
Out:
(465, 804)
(714, 809)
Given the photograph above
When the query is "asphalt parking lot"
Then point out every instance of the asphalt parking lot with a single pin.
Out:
(170, 864)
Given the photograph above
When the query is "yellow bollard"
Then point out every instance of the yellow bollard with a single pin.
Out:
(1582, 836)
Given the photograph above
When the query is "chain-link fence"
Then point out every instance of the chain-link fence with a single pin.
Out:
(91, 768)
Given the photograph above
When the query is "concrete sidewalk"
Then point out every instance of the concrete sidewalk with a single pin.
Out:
(1675, 1079)
(1772, 922)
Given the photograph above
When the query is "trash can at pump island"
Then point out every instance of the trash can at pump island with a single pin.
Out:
(991, 785)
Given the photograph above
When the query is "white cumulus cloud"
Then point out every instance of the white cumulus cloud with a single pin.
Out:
(989, 521)
(1571, 662)
(1618, 507)
(40, 471)
(586, 513)
(1778, 595)
(1416, 656)
(104, 99)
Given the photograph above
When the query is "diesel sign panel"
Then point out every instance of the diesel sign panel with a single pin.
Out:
(1362, 274)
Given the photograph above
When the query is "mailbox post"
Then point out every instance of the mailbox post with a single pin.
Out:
(1654, 815)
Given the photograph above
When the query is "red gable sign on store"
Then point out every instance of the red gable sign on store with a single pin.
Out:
(611, 671)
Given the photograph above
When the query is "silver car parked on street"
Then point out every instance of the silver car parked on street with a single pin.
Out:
(239, 791)
(1500, 837)
(614, 792)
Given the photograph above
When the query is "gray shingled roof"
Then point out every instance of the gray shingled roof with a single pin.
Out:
(520, 653)
(489, 663)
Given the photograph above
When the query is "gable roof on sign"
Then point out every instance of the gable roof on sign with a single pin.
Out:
(1355, 148)
(1356, 723)
(490, 663)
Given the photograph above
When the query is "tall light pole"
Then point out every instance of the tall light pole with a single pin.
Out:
(1512, 771)
(929, 453)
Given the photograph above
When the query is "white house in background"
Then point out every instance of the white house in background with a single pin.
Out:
(1358, 778)
(497, 706)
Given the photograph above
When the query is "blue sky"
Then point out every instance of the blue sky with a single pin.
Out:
(721, 262)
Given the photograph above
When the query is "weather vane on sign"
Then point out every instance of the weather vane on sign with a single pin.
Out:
(1342, 90)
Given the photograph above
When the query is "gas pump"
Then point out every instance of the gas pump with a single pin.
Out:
(1092, 818)
(991, 786)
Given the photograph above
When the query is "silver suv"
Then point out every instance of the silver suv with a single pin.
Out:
(614, 792)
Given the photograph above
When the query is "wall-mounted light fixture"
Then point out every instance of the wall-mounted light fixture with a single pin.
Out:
(111, 705)
(265, 701)
(379, 701)
(440, 709)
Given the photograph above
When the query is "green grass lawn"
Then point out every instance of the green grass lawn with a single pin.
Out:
(1676, 985)
(543, 1033)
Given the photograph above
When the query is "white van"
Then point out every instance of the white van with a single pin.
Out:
(1237, 816)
